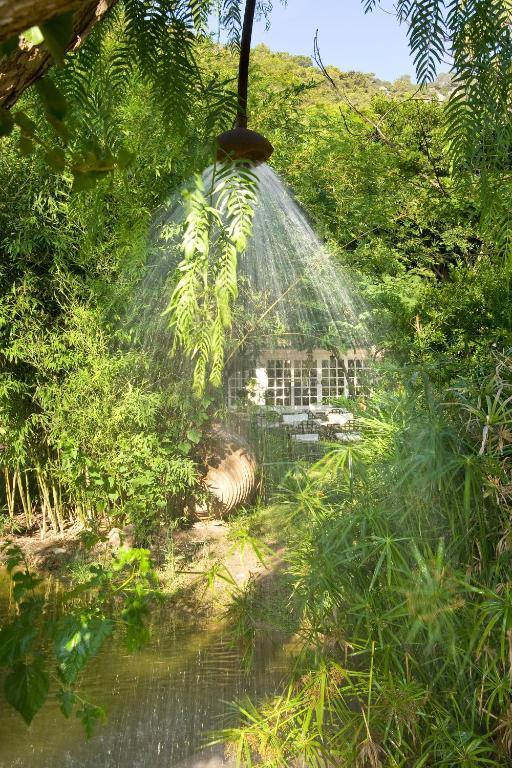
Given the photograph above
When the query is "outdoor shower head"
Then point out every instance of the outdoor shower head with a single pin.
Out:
(243, 144)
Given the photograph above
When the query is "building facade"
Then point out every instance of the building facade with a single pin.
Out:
(289, 378)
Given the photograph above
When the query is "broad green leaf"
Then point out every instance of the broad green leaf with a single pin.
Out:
(13, 554)
(15, 641)
(34, 36)
(57, 33)
(56, 159)
(89, 539)
(76, 640)
(89, 714)
(26, 145)
(194, 435)
(59, 126)
(6, 122)
(23, 121)
(53, 100)
(26, 688)
(67, 700)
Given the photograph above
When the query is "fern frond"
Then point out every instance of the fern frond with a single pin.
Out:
(216, 229)
(231, 21)
(427, 36)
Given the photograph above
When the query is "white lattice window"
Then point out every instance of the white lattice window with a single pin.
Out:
(304, 382)
(357, 377)
(237, 387)
(299, 382)
(333, 379)
(279, 387)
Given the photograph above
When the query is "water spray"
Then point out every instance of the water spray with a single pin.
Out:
(240, 142)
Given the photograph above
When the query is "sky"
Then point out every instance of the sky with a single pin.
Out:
(348, 39)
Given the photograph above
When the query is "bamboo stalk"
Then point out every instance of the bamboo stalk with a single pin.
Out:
(57, 508)
(23, 498)
(51, 510)
(43, 528)
(29, 499)
(8, 492)
(45, 504)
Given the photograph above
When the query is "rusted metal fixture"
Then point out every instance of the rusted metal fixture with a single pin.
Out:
(240, 142)
(229, 474)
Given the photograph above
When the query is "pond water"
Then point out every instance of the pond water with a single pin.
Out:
(162, 703)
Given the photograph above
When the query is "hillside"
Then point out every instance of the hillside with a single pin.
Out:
(274, 70)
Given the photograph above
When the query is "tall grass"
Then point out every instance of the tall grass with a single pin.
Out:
(400, 562)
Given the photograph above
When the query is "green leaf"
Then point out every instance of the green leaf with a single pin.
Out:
(23, 121)
(15, 640)
(34, 36)
(13, 554)
(59, 126)
(53, 100)
(26, 688)
(89, 539)
(26, 145)
(6, 122)
(56, 159)
(57, 33)
(77, 639)
(89, 714)
(194, 435)
(67, 700)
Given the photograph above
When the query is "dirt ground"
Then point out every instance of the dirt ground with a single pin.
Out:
(198, 566)
(51, 553)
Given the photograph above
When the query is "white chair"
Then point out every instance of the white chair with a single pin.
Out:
(339, 418)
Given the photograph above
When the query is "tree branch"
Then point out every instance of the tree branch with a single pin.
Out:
(28, 63)
(392, 145)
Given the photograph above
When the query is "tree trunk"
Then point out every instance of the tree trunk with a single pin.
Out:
(28, 63)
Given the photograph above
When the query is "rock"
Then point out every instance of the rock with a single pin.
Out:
(114, 538)
(119, 537)
(60, 551)
(128, 534)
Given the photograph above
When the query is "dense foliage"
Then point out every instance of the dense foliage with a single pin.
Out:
(91, 425)
(97, 423)
(399, 548)
(399, 553)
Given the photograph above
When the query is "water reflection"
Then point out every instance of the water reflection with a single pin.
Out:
(162, 705)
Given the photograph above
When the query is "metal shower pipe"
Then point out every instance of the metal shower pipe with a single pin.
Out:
(243, 66)
(240, 143)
